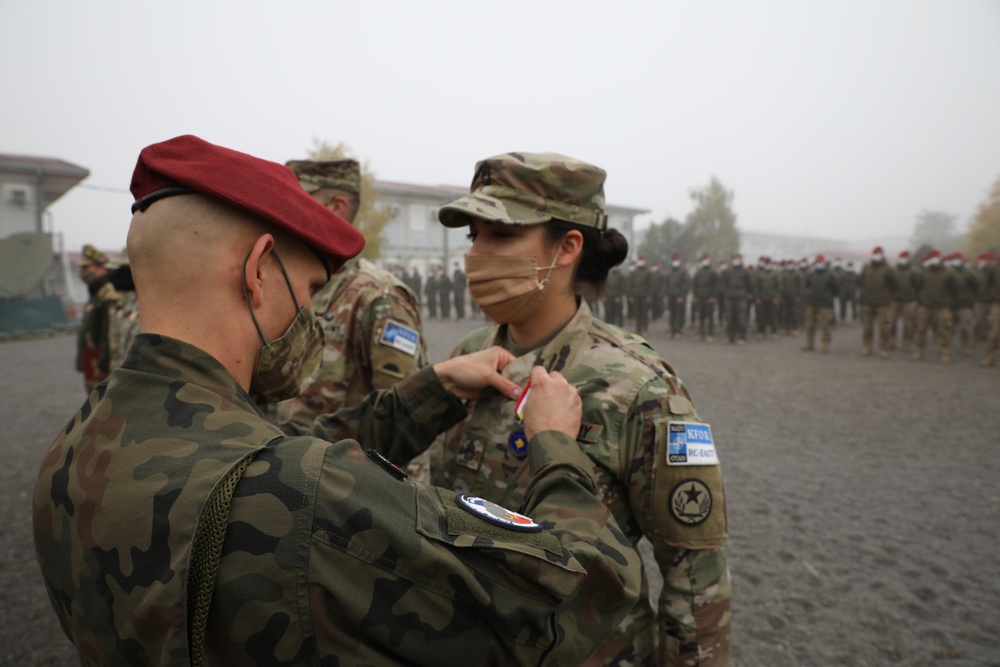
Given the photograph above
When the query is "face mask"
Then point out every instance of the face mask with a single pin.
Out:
(737, 263)
(902, 263)
(931, 263)
(507, 289)
(676, 265)
(290, 363)
(878, 259)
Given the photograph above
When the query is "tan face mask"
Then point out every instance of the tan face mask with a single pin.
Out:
(507, 289)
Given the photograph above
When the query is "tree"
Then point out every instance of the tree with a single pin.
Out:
(662, 239)
(369, 220)
(711, 226)
(984, 231)
(936, 229)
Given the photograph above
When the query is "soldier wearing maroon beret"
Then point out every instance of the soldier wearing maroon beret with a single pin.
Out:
(175, 525)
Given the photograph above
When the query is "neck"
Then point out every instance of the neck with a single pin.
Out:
(554, 311)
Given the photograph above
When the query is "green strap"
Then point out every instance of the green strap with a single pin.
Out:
(205, 553)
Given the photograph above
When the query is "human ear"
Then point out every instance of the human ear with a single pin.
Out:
(253, 274)
(570, 248)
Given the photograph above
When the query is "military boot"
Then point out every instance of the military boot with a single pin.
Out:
(866, 351)
(919, 354)
(946, 356)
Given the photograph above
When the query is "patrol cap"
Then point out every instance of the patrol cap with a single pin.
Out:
(530, 189)
(344, 175)
(267, 190)
(92, 256)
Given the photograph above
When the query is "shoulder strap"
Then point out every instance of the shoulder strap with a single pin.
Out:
(205, 553)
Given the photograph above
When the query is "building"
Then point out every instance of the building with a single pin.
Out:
(34, 269)
(413, 237)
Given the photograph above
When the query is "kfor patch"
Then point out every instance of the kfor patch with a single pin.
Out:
(497, 515)
(690, 444)
(399, 337)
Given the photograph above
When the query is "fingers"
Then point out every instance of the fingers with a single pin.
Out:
(554, 404)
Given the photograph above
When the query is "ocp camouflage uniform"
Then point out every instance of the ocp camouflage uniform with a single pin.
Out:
(678, 286)
(878, 284)
(936, 289)
(904, 305)
(965, 301)
(821, 288)
(630, 398)
(328, 557)
(705, 288)
(373, 339)
(93, 350)
(737, 287)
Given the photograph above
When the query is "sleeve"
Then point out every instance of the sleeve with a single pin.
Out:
(392, 333)
(420, 572)
(672, 472)
(399, 422)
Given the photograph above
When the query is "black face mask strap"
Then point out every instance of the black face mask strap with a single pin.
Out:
(246, 292)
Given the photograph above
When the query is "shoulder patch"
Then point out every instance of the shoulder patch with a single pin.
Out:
(690, 444)
(497, 515)
(691, 502)
(402, 338)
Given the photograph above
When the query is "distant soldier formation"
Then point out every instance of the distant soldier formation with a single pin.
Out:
(898, 303)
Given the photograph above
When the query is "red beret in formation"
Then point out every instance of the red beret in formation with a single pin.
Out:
(268, 190)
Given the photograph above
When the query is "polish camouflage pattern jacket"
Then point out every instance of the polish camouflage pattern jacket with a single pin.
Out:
(630, 399)
(329, 557)
(365, 312)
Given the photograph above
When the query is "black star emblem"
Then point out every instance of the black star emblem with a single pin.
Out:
(692, 494)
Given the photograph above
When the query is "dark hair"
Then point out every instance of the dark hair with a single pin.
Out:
(602, 251)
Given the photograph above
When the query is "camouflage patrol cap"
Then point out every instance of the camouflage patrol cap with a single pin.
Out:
(344, 175)
(530, 189)
(92, 256)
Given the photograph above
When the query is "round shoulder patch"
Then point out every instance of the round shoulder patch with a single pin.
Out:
(691, 502)
(499, 516)
(518, 443)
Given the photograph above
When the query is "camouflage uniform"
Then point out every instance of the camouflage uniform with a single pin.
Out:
(93, 351)
(614, 291)
(904, 305)
(792, 287)
(678, 287)
(639, 289)
(705, 288)
(630, 399)
(936, 289)
(821, 288)
(878, 284)
(767, 290)
(737, 288)
(371, 319)
(965, 301)
(329, 558)
(373, 340)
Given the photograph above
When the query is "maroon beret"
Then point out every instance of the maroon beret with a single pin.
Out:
(268, 190)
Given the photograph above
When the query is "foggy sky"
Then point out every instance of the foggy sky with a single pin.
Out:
(841, 119)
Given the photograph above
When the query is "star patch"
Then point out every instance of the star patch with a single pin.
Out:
(691, 502)
(518, 443)
(497, 515)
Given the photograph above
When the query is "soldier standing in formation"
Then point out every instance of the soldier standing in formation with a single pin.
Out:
(639, 426)
(821, 289)
(417, 284)
(458, 284)
(444, 290)
(93, 350)
(704, 296)
(767, 290)
(373, 336)
(678, 286)
(640, 290)
(878, 285)
(965, 301)
(937, 288)
(991, 287)
(657, 290)
(614, 295)
(737, 286)
(431, 292)
(982, 271)
(847, 291)
(792, 289)
(210, 536)
(904, 303)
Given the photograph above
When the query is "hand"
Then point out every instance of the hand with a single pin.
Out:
(467, 376)
(554, 405)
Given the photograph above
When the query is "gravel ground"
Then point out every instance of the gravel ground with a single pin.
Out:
(864, 502)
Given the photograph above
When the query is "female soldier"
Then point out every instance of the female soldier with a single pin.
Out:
(539, 235)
